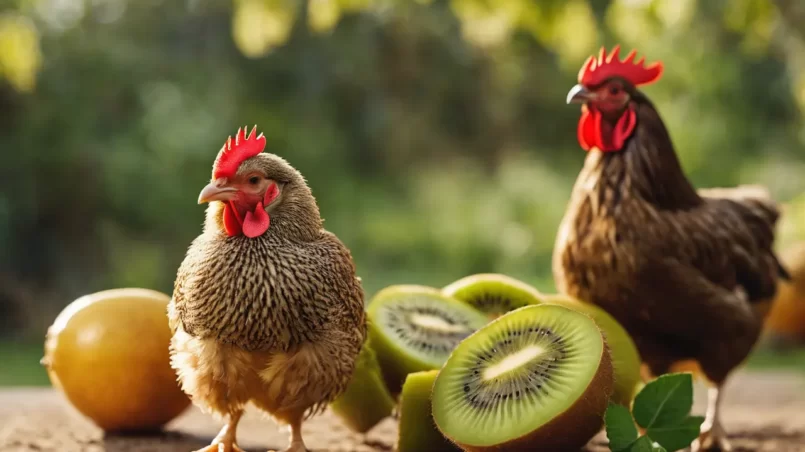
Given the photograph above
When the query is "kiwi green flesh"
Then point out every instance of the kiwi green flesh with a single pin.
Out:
(517, 374)
(415, 328)
(366, 401)
(493, 294)
(625, 357)
(417, 431)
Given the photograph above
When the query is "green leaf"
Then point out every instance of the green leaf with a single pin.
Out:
(642, 445)
(645, 444)
(679, 436)
(621, 430)
(664, 401)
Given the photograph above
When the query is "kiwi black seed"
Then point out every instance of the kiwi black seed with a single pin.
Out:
(415, 328)
(492, 293)
(537, 378)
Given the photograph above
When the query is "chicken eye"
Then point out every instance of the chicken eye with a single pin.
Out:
(614, 90)
(254, 180)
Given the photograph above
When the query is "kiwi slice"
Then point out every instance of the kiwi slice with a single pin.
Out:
(625, 357)
(366, 400)
(492, 293)
(537, 378)
(414, 328)
(417, 431)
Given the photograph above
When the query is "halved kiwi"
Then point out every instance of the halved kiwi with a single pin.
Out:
(417, 431)
(537, 378)
(625, 357)
(414, 328)
(366, 400)
(492, 293)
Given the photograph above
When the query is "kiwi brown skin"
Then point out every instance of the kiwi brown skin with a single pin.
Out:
(494, 294)
(569, 430)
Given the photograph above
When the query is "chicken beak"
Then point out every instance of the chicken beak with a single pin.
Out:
(217, 191)
(579, 95)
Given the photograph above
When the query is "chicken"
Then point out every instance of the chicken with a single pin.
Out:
(266, 306)
(689, 274)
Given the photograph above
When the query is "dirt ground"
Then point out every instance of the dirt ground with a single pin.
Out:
(764, 412)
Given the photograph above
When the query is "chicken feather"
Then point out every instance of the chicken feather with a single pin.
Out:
(690, 274)
(277, 320)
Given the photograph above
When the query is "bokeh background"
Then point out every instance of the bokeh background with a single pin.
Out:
(434, 133)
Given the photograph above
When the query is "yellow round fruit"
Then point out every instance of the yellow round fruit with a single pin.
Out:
(108, 353)
(787, 316)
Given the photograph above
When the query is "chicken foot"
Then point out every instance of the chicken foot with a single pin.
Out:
(297, 445)
(225, 441)
(713, 436)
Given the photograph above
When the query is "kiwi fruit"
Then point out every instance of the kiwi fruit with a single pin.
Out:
(414, 328)
(492, 293)
(366, 401)
(536, 378)
(625, 357)
(417, 430)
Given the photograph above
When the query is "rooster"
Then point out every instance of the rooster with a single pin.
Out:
(266, 306)
(690, 274)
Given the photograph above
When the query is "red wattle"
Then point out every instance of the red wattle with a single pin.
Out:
(591, 133)
(587, 129)
(232, 223)
(623, 129)
(257, 222)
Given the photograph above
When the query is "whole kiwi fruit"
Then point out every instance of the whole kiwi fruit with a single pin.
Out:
(414, 328)
(493, 293)
(537, 378)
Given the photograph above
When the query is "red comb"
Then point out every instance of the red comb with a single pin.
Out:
(234, 153)
(596, 70)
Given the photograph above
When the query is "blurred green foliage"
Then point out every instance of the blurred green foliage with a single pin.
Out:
(434, 133)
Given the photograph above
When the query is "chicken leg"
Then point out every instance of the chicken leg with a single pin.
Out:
(713, 436)
(225, 441)
(297, 445)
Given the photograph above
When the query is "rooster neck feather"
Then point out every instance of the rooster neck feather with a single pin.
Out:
(647, 166)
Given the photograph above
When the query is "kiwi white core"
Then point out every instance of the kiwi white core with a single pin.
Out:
(512, 362)
(434, 323)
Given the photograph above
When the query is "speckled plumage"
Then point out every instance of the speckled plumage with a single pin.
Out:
(277, 320)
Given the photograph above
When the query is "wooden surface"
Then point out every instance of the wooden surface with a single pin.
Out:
(764, 412)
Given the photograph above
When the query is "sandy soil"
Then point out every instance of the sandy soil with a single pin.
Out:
(764, 412)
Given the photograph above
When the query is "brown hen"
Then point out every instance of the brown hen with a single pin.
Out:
(690, 274)
(266, 308)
